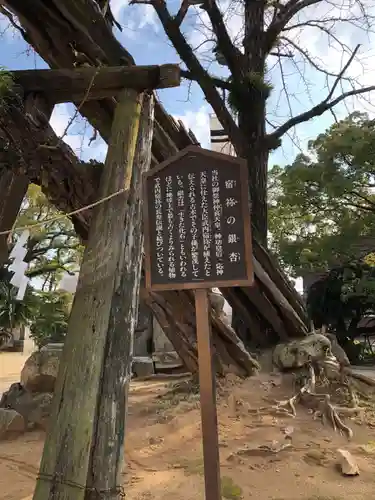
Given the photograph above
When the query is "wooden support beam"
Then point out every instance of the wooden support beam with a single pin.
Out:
(65, 465)
(95, 83)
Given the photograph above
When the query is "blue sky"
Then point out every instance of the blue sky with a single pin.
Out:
(144, 37)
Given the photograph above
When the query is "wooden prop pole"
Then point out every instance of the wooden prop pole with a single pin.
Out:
(107, 452)
(208, 397)
(66, 461)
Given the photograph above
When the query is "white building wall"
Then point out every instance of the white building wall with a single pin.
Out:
(219, 140)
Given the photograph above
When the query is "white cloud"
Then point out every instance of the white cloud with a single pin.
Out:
(199, 123)
(135, 17)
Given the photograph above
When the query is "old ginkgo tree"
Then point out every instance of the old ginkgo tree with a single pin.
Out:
(266, 76)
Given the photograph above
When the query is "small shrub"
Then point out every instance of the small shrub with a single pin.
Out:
(229, 489)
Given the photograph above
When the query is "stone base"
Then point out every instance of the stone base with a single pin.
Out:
(143, 366)
(166, 360)
(56, 346)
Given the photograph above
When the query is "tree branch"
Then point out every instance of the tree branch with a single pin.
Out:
(182, 11)
(351, 203)
(218, 82)
(281, 19)
(187, 55)
(43, 269)
(324, 105)
(364, 198)
(232, 55)
(308, 57)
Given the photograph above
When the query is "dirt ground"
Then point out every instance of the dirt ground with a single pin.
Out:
(164, 458)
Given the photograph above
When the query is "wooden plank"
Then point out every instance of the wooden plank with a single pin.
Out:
(66, 457)
(107, 452)
(94, 83)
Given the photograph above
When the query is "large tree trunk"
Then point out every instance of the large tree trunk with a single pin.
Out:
(13, 188)
(253, 114)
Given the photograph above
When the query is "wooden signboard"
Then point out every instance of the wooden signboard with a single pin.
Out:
(198, 236)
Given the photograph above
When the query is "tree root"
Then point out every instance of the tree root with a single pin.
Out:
(320, 404)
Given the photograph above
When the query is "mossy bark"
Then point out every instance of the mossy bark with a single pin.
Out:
(78, 393)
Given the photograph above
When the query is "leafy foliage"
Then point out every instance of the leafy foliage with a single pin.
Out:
(53, 247)
(340, 299)
(14, 313)
(6, 84)
(47, 313)
(51, 321)
(322, 206)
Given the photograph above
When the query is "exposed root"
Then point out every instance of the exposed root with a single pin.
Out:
(321, 404)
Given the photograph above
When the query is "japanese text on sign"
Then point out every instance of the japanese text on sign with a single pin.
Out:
(196, 223)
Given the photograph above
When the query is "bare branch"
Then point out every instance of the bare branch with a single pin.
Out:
(281, 19)
(218, 82)
(324, 105)
(11, 20)
(180, 16)
(342, 72)
(232, 55)
(187, 55)
(308, 57)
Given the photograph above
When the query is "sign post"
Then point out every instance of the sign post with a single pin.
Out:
(198, 236)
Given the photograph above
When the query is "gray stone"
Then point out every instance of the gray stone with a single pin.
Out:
(35, 408)
(347, 463)
(217, 302)
(299, 353)
(12, 424)
(166, 360)
(161, 341)
(143, 366)
(337, 350)
(55, 346)
(40, 371)
(39, 415)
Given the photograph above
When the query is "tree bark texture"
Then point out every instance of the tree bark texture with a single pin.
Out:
(252, 116)
(79, 399)
(175, 313)
(13, 189)
(47, 161)
(107, 452)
